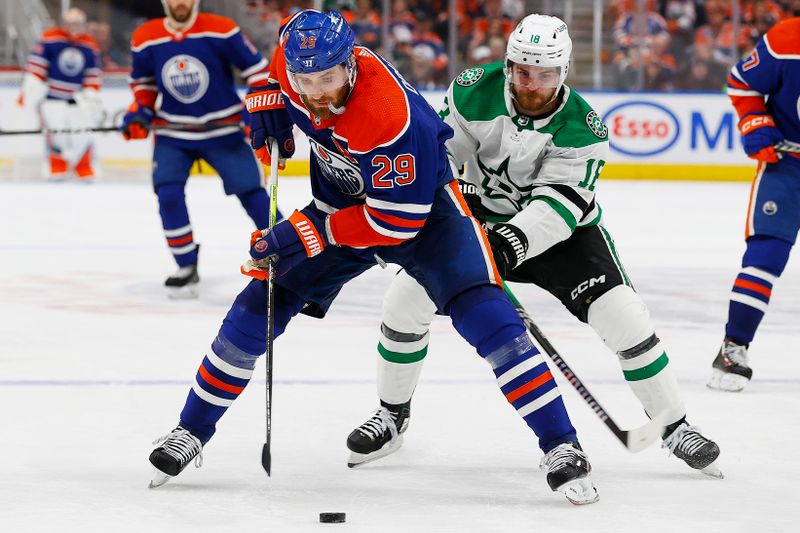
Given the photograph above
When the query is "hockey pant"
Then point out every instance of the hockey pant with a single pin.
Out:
(68, 152)
(619, 316)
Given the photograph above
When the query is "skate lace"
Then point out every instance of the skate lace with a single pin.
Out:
(735, 352)
(561, 455)
(379, 423)
(182, 445)
(685, 438)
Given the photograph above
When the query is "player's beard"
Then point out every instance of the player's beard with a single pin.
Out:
(319, 107)
(533, 102)
(181, 13)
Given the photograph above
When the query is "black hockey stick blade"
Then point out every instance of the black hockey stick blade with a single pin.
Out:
(266, 459)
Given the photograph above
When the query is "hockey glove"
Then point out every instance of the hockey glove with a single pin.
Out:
(509, 246)
(759, 137)
(136, 122)
(472, 196)
(289, 243)
(269, 120)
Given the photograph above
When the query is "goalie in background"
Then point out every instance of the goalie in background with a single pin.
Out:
(61, 85)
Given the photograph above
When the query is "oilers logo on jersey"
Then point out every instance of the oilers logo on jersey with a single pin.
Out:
(71, 61)
(339, 171)
(185, 77)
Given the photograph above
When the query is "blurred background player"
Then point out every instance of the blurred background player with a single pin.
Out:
(382, 187)
(61, 84)
(765, 90)
(533, 150)
(184, 62)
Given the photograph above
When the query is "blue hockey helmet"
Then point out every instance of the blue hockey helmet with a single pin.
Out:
(318, 41)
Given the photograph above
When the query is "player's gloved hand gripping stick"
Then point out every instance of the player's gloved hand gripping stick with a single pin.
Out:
(269, 119)
(759, 137)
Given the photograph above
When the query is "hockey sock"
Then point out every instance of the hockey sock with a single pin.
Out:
(226, 369)
(403, 342)
(487, 320)
(622, 320)
(175, 220)
(221, 378)
(256, 203)
(399, 364)
(763, 262)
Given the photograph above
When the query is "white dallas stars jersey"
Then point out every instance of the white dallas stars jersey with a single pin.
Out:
(538, 174)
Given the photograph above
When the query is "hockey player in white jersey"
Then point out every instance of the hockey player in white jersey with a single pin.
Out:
(533, 150)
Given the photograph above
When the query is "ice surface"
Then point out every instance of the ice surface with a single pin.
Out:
(96, 362)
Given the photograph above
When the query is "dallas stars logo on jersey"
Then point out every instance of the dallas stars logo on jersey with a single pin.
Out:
(470, 76)
(498, 185)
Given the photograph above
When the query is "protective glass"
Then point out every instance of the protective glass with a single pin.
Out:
(532, 77)
(316, 83)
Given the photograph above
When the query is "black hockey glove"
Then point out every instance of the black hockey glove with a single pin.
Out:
(472, 195)
(509, 245)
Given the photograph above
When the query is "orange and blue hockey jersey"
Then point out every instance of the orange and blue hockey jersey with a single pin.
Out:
(191, 71)
(378, 166)
(768, 80)
(67, 63)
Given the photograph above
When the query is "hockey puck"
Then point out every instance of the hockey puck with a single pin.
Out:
(331, 518)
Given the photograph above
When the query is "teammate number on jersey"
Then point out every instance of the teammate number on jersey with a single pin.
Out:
(402, 166)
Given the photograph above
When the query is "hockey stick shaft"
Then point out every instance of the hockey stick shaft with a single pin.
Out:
(633, 440)
(266, 452)
(788, 146)
(213, 125)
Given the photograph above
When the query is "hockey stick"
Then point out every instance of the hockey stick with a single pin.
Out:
(213, 125)
(788, 146)
(266, 454)
(635, 440)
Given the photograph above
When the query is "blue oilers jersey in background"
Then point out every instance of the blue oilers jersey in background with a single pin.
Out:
(187, 77)
(377, 166)
(768, 80)
(66, 63)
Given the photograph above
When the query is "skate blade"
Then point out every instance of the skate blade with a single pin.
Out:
(580, 491)
(358, 459)
(713, 470)
(189, 292)
(726, 382)
(159, 479)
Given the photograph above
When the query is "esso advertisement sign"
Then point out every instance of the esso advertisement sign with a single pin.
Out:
(640, 128)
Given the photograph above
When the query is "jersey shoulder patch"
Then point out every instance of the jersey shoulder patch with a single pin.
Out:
(478, 92)
(576, 124)
(783, 39)
(378, 110)
(211, 23)
(89, 42)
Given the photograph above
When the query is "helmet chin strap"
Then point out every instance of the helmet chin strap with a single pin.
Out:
(352, 82)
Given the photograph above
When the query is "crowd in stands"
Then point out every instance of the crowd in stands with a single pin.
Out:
(687, 44)
(417, 31)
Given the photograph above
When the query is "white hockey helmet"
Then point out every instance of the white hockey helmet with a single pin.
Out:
(192, 16)
(540, 41)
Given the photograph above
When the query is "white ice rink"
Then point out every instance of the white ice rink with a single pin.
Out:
(96, 363)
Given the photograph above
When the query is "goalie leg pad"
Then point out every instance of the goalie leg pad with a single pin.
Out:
(404, 337)
(622, 320)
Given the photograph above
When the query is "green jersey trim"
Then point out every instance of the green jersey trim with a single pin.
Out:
(576, 125)
(483, 99)
(559, 208)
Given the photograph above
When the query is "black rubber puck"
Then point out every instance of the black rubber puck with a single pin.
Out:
(331, 518)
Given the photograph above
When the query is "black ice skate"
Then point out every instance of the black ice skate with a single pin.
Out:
(688, 444)
(568, 471)
(176, 451)
(730, 371)
(183, 283)
(379, 436)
